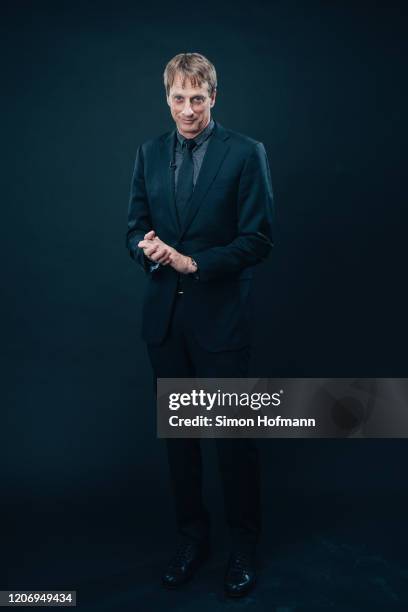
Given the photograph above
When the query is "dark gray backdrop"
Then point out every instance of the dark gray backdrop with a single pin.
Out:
(321, 85)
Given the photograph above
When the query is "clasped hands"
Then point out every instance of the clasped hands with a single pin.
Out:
(159, 252)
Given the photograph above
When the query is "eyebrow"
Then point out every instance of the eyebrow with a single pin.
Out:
(182, 96)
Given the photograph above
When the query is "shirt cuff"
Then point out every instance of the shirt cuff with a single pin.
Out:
(154, 266)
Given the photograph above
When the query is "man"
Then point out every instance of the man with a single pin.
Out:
(199, 218)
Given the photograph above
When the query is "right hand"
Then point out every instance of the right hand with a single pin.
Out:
(155, 249)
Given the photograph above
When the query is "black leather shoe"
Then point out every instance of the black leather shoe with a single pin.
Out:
(188, 558)
(240, 576)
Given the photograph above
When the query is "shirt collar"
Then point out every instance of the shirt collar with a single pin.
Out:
(202, 136)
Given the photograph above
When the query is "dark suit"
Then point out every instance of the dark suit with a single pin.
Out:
(205, 333)
(228, 230)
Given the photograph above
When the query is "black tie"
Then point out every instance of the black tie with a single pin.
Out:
(185, 184)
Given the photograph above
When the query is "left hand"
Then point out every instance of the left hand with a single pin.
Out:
(181, 263)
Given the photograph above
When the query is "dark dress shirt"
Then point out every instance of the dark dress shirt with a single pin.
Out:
(198, 152)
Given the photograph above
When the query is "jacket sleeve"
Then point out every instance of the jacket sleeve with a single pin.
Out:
(255, 210)
(139, 222)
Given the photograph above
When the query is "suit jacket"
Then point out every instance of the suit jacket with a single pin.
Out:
(227, 230)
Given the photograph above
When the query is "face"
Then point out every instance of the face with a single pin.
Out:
(190, 106)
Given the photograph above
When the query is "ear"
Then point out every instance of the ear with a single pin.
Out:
(212, 98)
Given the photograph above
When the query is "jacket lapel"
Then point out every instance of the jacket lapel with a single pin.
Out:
(167, 173)
(216, 151)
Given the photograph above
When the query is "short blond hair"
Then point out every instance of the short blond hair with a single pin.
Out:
(192, 66)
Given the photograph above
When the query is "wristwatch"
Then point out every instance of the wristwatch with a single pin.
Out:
(196, 273)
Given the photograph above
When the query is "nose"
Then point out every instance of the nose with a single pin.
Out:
(187, 110)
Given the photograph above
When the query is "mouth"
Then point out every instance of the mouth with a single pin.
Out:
(188, 120)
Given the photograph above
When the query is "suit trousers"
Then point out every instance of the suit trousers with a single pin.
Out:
(180, 356)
